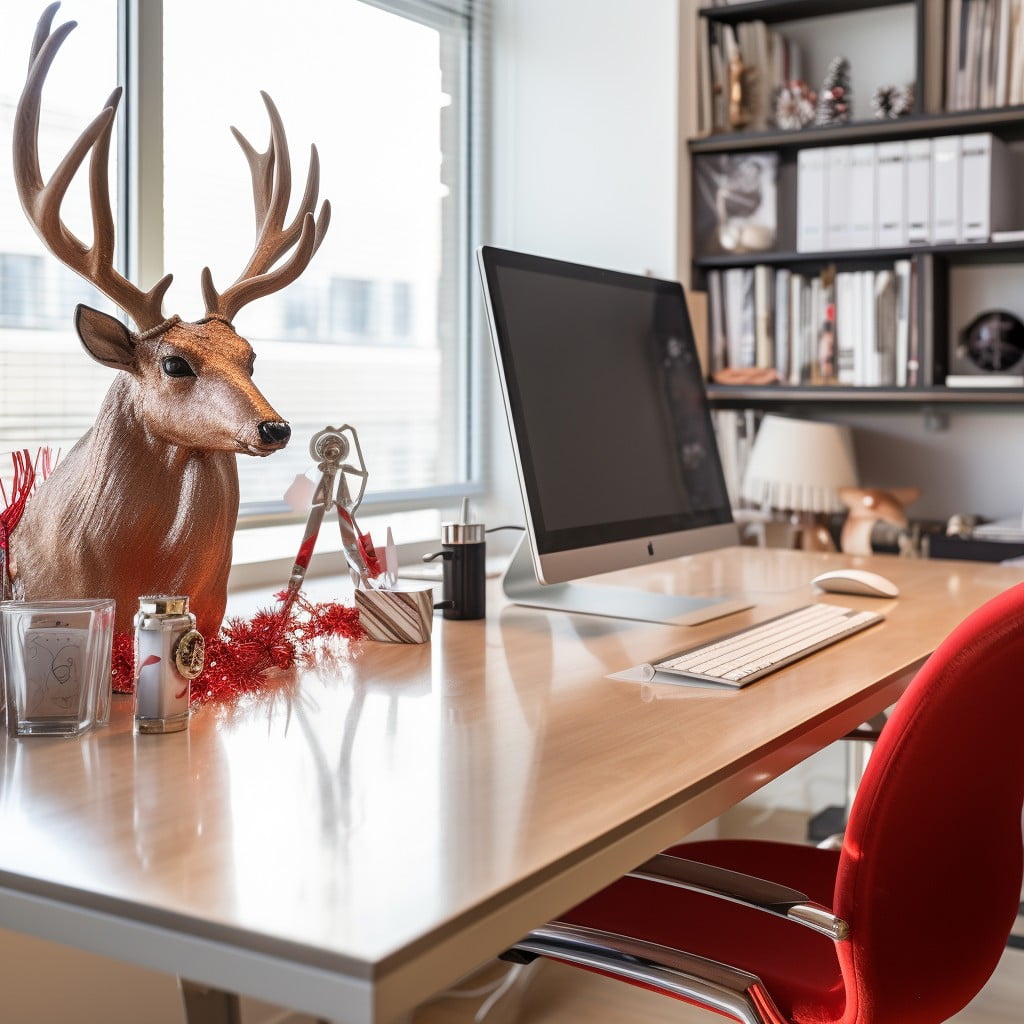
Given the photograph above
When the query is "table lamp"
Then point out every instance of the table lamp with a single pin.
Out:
(798, 466)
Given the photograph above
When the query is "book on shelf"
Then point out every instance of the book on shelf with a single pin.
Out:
(904, 292)
(852, 328)
(768, 60)
(738, 317)
(764, 316)
(984, 54)
(783, 347)
(735, 430)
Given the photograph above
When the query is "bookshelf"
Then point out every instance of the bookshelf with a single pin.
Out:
(945, 295)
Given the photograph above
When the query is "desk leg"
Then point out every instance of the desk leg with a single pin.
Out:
(205, 1005)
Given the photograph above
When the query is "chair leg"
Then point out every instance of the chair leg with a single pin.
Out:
(1016, 940)
(693, 979)
(206, 1005)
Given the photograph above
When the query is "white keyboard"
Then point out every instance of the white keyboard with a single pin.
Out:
(742, 657)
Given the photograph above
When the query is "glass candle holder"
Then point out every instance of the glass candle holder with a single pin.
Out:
(56, 665)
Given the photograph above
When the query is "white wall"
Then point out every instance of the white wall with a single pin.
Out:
(584, 157)
(585, 129)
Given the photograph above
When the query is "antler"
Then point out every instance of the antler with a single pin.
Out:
(271, 187)
(42, 202)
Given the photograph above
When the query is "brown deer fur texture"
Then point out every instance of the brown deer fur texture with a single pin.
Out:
(146, 502)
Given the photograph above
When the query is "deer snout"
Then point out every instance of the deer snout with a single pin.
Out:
(274, 432)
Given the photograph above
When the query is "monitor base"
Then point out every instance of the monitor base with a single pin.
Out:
(522, 587)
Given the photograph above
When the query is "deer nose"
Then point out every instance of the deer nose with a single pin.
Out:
(274, 432)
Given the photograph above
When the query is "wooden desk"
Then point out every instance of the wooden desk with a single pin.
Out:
(353, 842)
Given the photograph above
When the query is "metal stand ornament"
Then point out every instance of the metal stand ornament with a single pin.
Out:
(386, 611)
(331, 447)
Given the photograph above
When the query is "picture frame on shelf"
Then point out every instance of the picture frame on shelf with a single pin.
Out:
(735, 203)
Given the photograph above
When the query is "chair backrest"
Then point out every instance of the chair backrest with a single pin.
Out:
(930, 873)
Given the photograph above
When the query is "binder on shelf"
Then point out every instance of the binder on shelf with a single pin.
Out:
(810, 207)
(919, 191)
(862, 196)
(837, 198)
(945, 188)
(890, 194)
(985, 187)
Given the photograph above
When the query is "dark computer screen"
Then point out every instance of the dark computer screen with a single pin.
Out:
(607, 400)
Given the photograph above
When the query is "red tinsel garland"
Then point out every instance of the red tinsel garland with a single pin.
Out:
(23, 485)
(240, 656)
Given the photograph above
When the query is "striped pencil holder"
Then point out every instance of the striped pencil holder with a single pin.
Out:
(403, 615)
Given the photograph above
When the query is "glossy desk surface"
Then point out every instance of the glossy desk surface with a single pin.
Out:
(358, 838)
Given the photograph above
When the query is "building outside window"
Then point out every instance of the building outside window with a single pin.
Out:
(374, 333)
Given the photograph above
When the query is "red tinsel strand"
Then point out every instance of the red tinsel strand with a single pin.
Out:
(239, 658)
(21, 488)
(27, 475)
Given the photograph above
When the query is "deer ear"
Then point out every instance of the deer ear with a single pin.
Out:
(105, 338)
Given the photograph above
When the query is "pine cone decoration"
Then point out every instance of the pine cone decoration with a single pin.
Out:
(835, 97)
(794, 105)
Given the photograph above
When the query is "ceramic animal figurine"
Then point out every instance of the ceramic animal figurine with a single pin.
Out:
(866, 507)
(146, 502)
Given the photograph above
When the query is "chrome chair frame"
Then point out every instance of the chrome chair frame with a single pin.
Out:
(686, 976)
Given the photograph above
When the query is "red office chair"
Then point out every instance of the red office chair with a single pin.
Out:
(905, 923)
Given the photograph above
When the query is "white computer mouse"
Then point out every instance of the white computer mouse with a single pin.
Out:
(856, 581)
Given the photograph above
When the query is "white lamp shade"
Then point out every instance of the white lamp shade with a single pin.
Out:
(799, 465)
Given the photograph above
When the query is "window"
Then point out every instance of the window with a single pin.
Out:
(50, 390)
(352, 303)
(374, 333)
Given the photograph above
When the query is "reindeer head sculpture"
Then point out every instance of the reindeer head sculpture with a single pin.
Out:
(147, 501)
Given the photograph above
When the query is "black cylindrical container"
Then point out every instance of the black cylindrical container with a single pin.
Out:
(463, 591)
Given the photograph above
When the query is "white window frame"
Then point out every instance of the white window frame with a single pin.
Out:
(140, 58)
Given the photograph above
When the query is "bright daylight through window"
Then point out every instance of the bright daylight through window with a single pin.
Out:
(374, 332)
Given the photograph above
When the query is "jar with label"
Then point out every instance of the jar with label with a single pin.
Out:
(169, 654)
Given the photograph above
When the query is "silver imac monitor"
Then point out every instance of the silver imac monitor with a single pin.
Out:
(611, 430)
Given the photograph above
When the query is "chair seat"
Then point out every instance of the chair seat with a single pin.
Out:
(799, 968)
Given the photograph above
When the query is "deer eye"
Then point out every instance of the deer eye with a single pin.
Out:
(175, 366)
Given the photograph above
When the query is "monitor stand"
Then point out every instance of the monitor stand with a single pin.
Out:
(521, 586)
